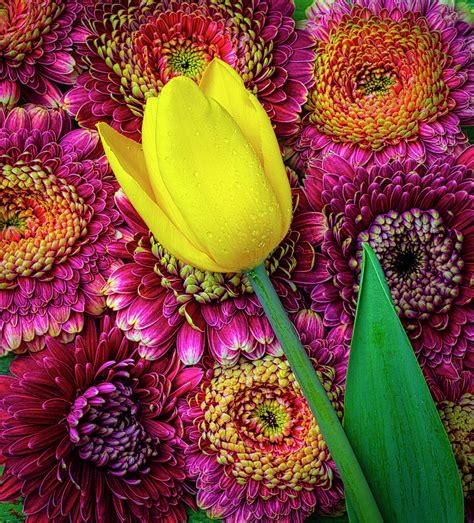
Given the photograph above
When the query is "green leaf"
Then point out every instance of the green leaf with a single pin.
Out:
(300, 11)
(197, 517)
(315, 518)
(469, 132)
(390, 418)
(5, 363)
(11, 512)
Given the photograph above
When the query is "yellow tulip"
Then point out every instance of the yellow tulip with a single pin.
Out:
(208, 179)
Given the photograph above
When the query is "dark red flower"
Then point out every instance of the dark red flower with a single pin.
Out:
(90, 432)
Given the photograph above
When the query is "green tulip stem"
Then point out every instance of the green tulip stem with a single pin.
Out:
(356, 487)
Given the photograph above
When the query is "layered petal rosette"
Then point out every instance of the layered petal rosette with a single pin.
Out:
(162, 302)
(131, 49)
(91, 432)
(255, 448)
(392, 80)
(455, 403)
(419, 222)
(36, 47)
(57, 216)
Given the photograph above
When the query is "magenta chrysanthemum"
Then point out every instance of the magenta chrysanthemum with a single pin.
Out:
(36, 45)
(90, 432)
(255, 448)
(56, 218)
(160, 40)
(393, 79)
(162, 302)
(419, 221)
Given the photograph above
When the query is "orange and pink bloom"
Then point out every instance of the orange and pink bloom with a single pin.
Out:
(57, 217)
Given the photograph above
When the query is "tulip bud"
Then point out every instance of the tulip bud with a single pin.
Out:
(208, 179)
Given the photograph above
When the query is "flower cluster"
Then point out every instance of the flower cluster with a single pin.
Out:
(142, 386)
(160, 40)
(256, 449)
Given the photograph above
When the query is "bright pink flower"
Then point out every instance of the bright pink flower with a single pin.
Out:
(57, 216)
(91, 432)
(255, 447)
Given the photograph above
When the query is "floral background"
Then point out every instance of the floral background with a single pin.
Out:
(135, 387)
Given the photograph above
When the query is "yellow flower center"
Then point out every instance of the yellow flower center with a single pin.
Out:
(259, 426)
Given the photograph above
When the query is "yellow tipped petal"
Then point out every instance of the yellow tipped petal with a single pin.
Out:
(215, 177)
(128, 164)
(222, 83)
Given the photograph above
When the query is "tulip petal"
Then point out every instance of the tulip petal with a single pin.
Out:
(150, 150)
(215, 177)
(126, 159)
(222, 83)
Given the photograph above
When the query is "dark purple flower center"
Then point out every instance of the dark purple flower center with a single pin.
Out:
(104, 427)
(421, 258)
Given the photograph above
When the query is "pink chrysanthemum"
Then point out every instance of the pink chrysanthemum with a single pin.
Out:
(162, 302)
(455, 403)
(36, 44)
(255, 447)
(393, 79)
(56, 218)
(90, 432)
(160, 40)
(419, 221)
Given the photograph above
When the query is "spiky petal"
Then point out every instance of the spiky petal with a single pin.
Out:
(90, 432)
(57, 216)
